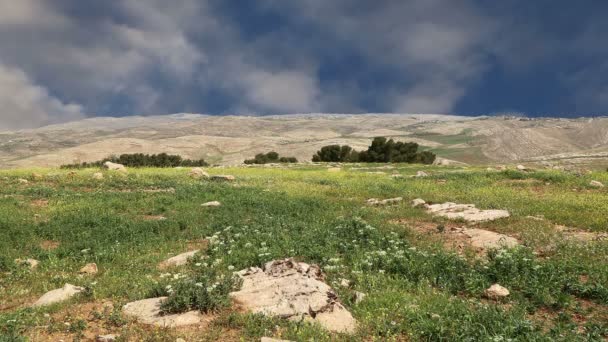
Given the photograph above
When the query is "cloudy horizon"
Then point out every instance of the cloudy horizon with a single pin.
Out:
(67, 59)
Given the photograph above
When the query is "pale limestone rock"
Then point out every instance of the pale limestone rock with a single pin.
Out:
(418, 202)
(375, 201)
(32, 263)
(58, 295)
(293, 290)
(421, 174)
(486, 239)
(105, 338)
(211, 204)
(468, 212)
(496, 291)
(596, 184)
(223, 178)
(114, 166)
(178, 260)
(270, 339)
(90, 269)
(98, 176)
(197, 172)
(148, 311)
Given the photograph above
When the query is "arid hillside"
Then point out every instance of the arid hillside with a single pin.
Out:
(228, 140)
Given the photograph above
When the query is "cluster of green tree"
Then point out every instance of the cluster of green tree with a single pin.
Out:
(270, 157)
(380, 151)
(142, 160)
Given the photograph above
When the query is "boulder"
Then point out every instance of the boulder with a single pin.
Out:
(211, 204)
(596, 184)
(375, 201)
(58, 295)
(223, 178)
(496, 291)
(418, 202)
(467, 212)
(359, 297)
(293, 290)
(89, 269)
(148, 311)
(421, 174)
(22, 181)
(521, 168)
(197, 172)
(178, 260)
(487, 239)
(114, 166)
(105, 338)
(31, 263)
(98, 176)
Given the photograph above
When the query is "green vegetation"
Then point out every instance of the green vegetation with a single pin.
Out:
(380, 151)
(270, 157)
(142, 160)
(418, 287)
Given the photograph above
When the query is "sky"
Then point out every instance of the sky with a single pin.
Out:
(63, 60)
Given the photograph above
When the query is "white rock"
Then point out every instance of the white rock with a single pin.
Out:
(180, 340)
(521, 168)
(418, 202)
(359, 297)
(90, 269)
(114, 166)
(148, 311)
(468, 212)
(197, 172)
(344, 282)
(178, 260)
(334, 169)
(596, 184)
(293, 290)
(270, 339)
(486, 239)
(22, 181)
(225, 178)
(375, 201)
(421, 174)
(496, 291)
(211, 204)
(105, 338)
(32, 263)
(98, 176)
(58, 295)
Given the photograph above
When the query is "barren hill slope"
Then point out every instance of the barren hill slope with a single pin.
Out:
(231, 139)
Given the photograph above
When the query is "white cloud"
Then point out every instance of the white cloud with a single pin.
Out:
(28, 12)
(24, 104)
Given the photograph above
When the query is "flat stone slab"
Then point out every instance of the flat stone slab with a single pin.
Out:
(388, 201)
(147, 311)
(211, 204)
(178, 260)
(58, 295)
(293, 290)
(487, 239)
(467, 212)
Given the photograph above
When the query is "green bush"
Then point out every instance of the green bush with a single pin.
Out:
(270, 157)
(380, 151)
(142, 160)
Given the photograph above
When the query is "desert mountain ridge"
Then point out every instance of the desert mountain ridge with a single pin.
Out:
(228, 140)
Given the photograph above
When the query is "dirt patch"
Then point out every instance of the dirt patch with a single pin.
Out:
(577, 235)
(153, 218)
(40, 203)
(49, 245)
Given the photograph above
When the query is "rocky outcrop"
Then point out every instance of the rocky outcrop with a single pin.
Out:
(58, 295)
(388, 201)
(293, 290)
(148, 311)
(467, 212)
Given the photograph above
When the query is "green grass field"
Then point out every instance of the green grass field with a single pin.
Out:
(418, 287)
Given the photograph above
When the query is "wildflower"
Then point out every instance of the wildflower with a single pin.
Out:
(230, 268)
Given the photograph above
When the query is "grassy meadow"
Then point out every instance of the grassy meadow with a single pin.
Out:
(418, 286)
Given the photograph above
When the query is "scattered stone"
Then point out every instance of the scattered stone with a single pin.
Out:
(211, 204)
(468, 212)
(397, 175)
(178, 260)
(90, 269)
(521, 168)
(334, 169)
(293, 290)
(197, 172)
(114, 166)
(223, 178)
(344, 282)
(596, 184)
(32, 263)
(270, 339)
(98, 176)
(22, 181)
(359, 297)
(487, 239)
(375, 201)
(58, 295)
(421, 174)
(148, 311)
(418, 202)
(105, 338)
(496, 291)
(37, 176)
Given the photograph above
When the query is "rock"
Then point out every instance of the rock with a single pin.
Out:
(223, 178)
(90, 269)
(334, 169)
(98, 176)
(180, 340)
(293, 290)
(32, 263)
(197, 172)
(178, 260)
(37, 176)
(521, 168)
(496, 291)
(22, 181)
(58, 295)
(105, 338)
(359, 297)
(114, 167)
(421, 174)
(468, 212)
(344, 282)
(375, 201)
(486, 239)
(270, 339)
(211, 204)
(596, 184)
(418, 202)
(148, 311)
